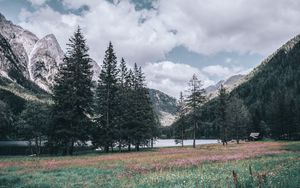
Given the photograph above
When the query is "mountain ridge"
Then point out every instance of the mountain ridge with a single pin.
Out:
(39, 60)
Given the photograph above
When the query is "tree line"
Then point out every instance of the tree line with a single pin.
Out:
(113, 112)
(231, 116)
(268, 103)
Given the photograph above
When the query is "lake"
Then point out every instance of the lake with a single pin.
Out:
(158, 143)
(171, 142)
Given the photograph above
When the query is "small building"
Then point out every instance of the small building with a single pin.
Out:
(254, 136)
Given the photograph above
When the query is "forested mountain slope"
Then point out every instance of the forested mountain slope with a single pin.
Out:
(164, 105)
(272, 90)
(271, 93)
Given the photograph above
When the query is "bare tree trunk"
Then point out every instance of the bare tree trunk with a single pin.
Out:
(151, 142)
(71, 147)
(137, 146)
(40, 144)
(194, 139)
(36, 145)
(120, 147)
(182, 135)
(237, 136)
(30, 147)
(106, 149)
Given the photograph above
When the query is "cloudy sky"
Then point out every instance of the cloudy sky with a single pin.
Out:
(170, 39)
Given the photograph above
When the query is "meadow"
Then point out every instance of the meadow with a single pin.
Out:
(251, 164)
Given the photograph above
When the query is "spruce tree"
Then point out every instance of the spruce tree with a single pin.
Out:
(221, 115)
(237, 118)
(194, 101)
(124, 104)
(130, 108)
(72, 95)
(143, 122)
(181, 112)
(107, 102)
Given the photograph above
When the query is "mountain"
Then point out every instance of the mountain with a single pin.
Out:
(271, 93)
(21, 42)
(37, 59)
(272, 90)
(15, 87)
(44, 61)
(164, 105)
(28, 66)
(229, 84)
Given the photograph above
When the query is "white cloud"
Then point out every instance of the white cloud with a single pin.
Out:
(202, 26)
(172, 78)
(135, 40)
(45, 21)
(206, 26)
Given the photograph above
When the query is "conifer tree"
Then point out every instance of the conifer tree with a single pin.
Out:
(194, 101)
(32, 124)
(107, 101)
(124, 104)
(143, 123)
(72, 95)
(181, 110)
(238, 118)
(221, 115)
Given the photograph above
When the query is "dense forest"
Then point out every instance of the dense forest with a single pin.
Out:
(267, 102)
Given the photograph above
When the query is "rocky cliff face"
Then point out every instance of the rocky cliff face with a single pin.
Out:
(37, 59)
(44, 61)
(229, 84)
(165, 106)
(21, 42)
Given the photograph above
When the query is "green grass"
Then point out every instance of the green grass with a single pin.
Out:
(273, 170)
(267, 171)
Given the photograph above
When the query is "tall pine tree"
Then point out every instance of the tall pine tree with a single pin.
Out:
(194, 101)
(221, 115)
(107, 102)
(73, 96)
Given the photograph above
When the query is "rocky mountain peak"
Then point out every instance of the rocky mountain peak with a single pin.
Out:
(229, 84)
(165, 106)
(233, 79)
(44, 61)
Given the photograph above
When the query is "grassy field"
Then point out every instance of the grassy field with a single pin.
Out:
(255, 164)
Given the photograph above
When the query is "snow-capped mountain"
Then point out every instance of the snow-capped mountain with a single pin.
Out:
(37, 59)
(229, 84)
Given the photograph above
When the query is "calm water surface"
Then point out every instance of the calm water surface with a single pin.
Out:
(171, 142)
